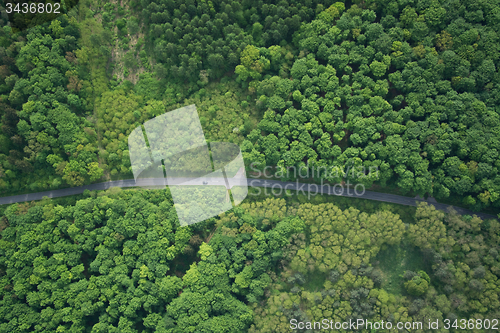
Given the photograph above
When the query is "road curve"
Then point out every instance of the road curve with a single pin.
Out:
(268, 185)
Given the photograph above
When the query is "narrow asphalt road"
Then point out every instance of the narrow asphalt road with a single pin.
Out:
(270, 186)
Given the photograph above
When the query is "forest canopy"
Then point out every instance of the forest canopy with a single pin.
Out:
(410, 88)
(118, 261)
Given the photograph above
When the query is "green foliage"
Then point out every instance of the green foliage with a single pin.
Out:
(353, 288)
(211, 36)
(460, 253)
(252, 64)
(417, 285)
(411, 89)
(410, 104)
(81, 262)
(117, 256)
(132, 26)
(43, 111)
(120, 111)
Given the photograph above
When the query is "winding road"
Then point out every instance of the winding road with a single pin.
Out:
(271, 187)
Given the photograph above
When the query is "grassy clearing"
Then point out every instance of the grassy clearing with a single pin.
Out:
(315, 281)
(393, 261)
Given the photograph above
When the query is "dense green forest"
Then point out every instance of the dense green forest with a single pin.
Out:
(118, 261)
(410, 87)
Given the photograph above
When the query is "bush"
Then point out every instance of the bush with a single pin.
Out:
(132, 26)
